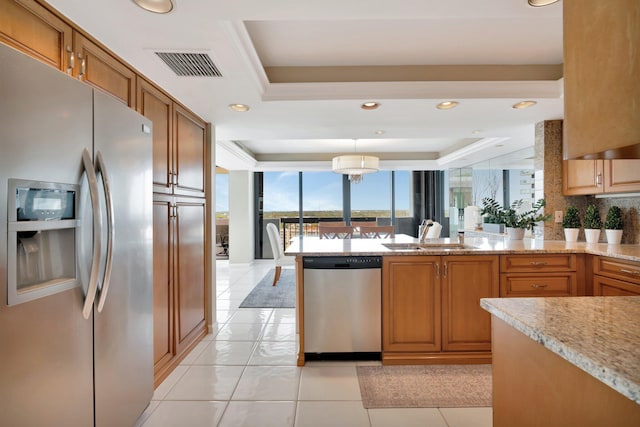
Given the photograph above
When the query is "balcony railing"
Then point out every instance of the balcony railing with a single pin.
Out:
(290, 227)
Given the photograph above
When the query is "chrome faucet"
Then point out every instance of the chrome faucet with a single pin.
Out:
(424, 229)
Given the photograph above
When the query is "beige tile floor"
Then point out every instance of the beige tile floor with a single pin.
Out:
(244, 373)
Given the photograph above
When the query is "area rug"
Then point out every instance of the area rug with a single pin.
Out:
(428, 386)
(282, 295)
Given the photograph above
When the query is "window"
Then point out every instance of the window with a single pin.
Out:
(371, 198)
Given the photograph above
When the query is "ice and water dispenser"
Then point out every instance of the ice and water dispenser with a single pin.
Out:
(42, 232)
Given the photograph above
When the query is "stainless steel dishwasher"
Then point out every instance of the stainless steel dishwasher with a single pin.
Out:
(342, 307)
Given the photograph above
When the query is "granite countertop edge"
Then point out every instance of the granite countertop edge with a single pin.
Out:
(606, 375)
(623, 252)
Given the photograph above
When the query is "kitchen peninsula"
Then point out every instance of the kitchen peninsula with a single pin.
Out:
(431, 296)
(566, 361)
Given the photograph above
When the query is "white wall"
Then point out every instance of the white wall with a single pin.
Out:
(241, 211)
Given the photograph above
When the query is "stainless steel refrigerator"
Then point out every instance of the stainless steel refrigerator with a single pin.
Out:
(76, 337)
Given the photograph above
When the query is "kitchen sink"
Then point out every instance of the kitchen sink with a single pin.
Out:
(426, 246)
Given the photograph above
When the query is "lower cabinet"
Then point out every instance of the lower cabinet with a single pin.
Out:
(431, 308)
(179, 260)
(548, 275)
(615, 277)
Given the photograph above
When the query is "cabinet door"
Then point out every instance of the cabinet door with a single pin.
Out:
(621, 176)
(158, 107)
(100, 69)
(190, 261)
(411, 303)
(466, 279)
(190, 150)
(582, 177)
(604, 286)
(163, 337)
(32, 29)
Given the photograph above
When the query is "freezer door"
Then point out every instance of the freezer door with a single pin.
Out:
(123, 328)
(46, 363)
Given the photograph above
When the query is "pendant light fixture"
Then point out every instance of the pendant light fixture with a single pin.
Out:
(355, 165)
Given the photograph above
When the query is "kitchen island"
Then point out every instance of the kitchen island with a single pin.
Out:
(566, 361)
(431, 294)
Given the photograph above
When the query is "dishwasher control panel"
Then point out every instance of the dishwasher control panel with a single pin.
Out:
(342, 262)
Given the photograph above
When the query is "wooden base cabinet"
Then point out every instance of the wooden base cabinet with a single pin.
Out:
(431, 308)
(466, 279)
(549, 275)
(411, 304)
(615, 277)
(179, 280)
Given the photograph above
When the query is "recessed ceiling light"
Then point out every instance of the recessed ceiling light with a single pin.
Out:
(371, 105)
(379, 132)
(239, 107)
(446, 105)
(524, 104)
(538, 3)
(499, 145)
(476, 131)
(155, 6)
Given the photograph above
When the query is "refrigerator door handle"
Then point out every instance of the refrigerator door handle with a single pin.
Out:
(101, 167)
(97, 223)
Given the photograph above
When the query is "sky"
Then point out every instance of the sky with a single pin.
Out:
(323, 191)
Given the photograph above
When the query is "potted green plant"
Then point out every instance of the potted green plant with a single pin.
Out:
(518, 218)
(592, 224)
(571, 223)
(492, 214)
(613, 225)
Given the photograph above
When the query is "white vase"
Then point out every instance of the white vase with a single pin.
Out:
(571, 234)
(515, 233)
(592, 235)
(613, 236)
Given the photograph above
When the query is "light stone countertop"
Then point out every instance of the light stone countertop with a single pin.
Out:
(600, 335)
(313, 246)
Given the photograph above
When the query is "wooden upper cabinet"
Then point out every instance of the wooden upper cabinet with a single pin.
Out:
(189, 153)
(600, 176)
(158, 107)
(622, 175)
(582, 177)
(32, 29)
(97, 67)
(601, 83)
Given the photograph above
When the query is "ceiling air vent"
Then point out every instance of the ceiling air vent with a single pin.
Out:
(190, 64)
